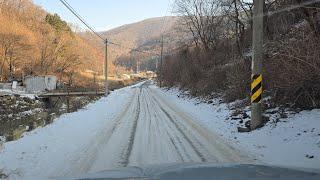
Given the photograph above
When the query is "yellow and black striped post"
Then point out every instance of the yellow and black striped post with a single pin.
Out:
(256, 97)
(256, 88)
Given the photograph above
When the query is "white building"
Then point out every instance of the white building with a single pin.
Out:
(36, 84)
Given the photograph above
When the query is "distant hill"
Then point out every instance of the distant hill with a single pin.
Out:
(138, 34)
(144, 35)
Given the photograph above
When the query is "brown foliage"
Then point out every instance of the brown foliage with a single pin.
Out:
(293, 69)
(238, 80)
(30, 45)
(291, 64)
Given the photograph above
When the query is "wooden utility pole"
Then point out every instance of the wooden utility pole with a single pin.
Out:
(95, 82)
(157, 65)
(256, 83)
(161, 58)
(137, 62)
(106, 70)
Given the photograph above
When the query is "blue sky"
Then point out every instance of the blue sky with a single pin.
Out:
(108, 14)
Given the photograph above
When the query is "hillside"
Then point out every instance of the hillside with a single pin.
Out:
(35, 42)
(42, 43)
(139, 33)
(144, 35)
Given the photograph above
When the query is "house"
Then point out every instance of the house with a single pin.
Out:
(36, 84)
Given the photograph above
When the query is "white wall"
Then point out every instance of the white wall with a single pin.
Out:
(36, 84)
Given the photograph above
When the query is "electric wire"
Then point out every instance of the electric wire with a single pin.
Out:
(79, 17)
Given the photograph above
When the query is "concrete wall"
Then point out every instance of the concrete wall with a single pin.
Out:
(35, 84)
(8, 86)
(5, 85)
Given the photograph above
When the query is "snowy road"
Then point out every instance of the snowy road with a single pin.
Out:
(150, 130)
(136, 126)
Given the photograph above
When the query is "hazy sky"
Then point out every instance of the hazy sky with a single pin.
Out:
(107, 14)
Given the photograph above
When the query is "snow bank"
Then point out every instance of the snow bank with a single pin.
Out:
(40, 153)
(293, 142)
(17, 92)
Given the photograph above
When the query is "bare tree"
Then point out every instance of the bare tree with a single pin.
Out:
(311, 12)
(203, 18)
(13, 47)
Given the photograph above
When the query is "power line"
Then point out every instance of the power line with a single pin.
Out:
(271, 13)
(164, 24)
(133, 49)
(74, 12)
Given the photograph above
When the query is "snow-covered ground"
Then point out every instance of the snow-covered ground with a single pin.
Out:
(293, 142)
(13, 92)
(134, 126)
(142, 124)
(54, 149)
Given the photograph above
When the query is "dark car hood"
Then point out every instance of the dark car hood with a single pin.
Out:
(200, 171)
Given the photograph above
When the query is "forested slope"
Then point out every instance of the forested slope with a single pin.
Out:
(34, 42)
(219, 61)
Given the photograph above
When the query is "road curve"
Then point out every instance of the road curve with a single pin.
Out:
(150, 130)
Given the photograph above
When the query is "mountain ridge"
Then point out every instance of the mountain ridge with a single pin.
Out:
(143, 35)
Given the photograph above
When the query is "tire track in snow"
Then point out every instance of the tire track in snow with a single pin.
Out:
(151, 131)
(211, 147)
(217, 147)
(177, 127)
(201, 156)
(174, 139)
(85, 162)
(193, 135)
(127, 152)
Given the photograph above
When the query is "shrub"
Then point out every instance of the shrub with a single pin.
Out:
(238, 80)
(293, 69)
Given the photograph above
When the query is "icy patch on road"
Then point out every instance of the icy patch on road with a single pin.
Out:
(294, 142)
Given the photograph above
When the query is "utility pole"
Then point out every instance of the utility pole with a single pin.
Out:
(137, 62)
(95, 82)
(106, 70)
(256, 83)
(157, 64)
(161, 58)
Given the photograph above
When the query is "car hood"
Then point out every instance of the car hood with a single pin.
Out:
(200, 171)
